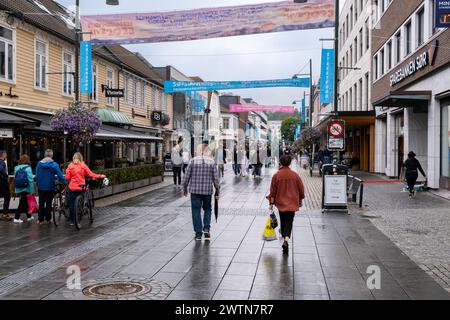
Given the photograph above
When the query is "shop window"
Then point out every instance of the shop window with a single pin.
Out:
(445, 142)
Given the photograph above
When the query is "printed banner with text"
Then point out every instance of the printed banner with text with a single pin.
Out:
(250, 107)
(327, 77)
(209, 22)
(171, 86)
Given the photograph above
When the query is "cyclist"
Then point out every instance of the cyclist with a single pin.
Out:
(75, 174)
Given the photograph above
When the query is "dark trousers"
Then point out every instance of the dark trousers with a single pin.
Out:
(184, 168)
(411, 182)
(45, 205)
(23, 205)
(199, 201)
(72, 197)
(286, 221)
(177, 175)
(6, 201)
(236, 168)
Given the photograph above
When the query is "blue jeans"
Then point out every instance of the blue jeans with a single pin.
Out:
(72, 197)
(236, 168)
(199, 201)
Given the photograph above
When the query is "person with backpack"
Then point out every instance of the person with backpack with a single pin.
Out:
(23, 185)
(46, 171)
(5, 193)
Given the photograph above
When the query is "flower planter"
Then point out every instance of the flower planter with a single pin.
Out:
(157, 179)
(141, 183)
(104, 192)
(122, 187)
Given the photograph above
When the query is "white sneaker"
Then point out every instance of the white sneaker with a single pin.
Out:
(30, 219)
(18, 221)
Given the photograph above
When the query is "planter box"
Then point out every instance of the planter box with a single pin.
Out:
(154, 180)
(122, 187)
(141, 183)
(100, 193)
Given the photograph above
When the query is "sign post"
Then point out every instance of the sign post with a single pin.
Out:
(336, 135)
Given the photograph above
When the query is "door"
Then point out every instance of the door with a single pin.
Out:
(401, 153)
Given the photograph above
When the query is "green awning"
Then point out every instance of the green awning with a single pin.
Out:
(110, 116)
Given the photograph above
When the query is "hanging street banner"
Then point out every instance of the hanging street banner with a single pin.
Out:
(303, 110)
(198, 102)
(298, 129)
(442, 19)
(85, 67)
(171, 86)
(327, 77)
(251, 107)
(209, 22)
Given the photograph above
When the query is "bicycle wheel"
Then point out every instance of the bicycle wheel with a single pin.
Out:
(79, 211)
(55, 209)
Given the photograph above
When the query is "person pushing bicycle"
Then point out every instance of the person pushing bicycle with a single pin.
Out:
(75, 174)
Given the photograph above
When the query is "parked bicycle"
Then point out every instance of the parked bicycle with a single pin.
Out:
(84, 203)
(60, 203)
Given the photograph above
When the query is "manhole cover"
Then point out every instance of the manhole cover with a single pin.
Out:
(116, 290)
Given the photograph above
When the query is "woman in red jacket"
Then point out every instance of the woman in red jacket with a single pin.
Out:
(75, 174)
(286, 193)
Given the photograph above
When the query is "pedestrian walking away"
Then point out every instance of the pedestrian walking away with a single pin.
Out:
(236, 159)
(177, 162)
(5, 192)
(46, 171)
(186, 159)
(75, 174)
(201, 176)
(412, 167)
(286, 193)
(23, 186)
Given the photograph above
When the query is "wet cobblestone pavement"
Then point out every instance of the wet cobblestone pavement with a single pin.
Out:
(148, 239)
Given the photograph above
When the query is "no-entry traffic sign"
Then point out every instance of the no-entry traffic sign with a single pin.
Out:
(336, 135)
(336, 128)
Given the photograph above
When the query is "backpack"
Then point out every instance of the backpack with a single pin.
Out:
(21, 178)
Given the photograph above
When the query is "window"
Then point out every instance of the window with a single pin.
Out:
(398, 47)
(355, 45)
(420, 22)
(347, 28)
(350, 102)
(110, 84)
(93, 96)
(375, 67)
(226, 123)
(366, 93)
(351, 57)
(7, 50)
(433, 15)
(361, 40)
(445, 142)
(67, 73)
(376, 9)
(389, 55)
(143, 94)
(382, 62)
(40, 76)
(126, 86)
(408, 38)
(382, 6)
(351, 18)
(135, 90)
(367, 35)
(360, 95)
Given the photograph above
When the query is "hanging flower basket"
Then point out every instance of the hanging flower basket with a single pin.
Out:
(78, 121)
(165, 120)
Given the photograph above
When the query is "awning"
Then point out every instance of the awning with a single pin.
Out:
(405, 99)
(352, 118)
(10, 118)
(110, 116)
(114, 133)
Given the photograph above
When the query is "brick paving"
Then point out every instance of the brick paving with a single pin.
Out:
(148, 239)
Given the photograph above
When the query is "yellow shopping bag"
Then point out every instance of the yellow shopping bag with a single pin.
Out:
(269, 232)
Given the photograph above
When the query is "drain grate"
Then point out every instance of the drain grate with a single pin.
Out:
(126, 288)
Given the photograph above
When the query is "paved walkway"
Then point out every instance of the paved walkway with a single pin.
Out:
(148, 239)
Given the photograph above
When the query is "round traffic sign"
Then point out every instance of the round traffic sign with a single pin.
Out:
(336, 129)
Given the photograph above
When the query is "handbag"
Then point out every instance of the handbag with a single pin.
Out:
(32, 204)
(273, 220)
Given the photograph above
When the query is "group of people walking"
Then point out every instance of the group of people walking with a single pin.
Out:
(47, 171)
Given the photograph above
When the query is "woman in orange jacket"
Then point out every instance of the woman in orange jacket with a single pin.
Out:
(75, 174)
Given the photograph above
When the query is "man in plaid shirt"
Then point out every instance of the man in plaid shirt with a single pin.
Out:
(201, 175)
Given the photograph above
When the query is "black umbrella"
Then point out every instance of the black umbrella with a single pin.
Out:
(216, 205)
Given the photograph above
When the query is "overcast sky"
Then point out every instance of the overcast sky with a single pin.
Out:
(252, 57)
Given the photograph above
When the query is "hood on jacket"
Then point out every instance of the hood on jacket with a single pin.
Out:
(46, 163)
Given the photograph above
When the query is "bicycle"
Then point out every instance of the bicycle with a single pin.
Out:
(60, 203)
(84, 203)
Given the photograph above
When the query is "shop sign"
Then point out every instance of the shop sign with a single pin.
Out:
(6, 133)
(9, 94)
(410, 68)
(335, 190)
(114, 93)
(442, 15)
(157, 116)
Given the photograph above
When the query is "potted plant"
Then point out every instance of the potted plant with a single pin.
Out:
(99, 164)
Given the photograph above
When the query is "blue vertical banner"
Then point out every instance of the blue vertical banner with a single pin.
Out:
(442, 16)
(327, 77)
(297, 131)
(85, 67)
(303, 110)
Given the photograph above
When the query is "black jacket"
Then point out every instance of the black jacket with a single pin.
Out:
(412, 165)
